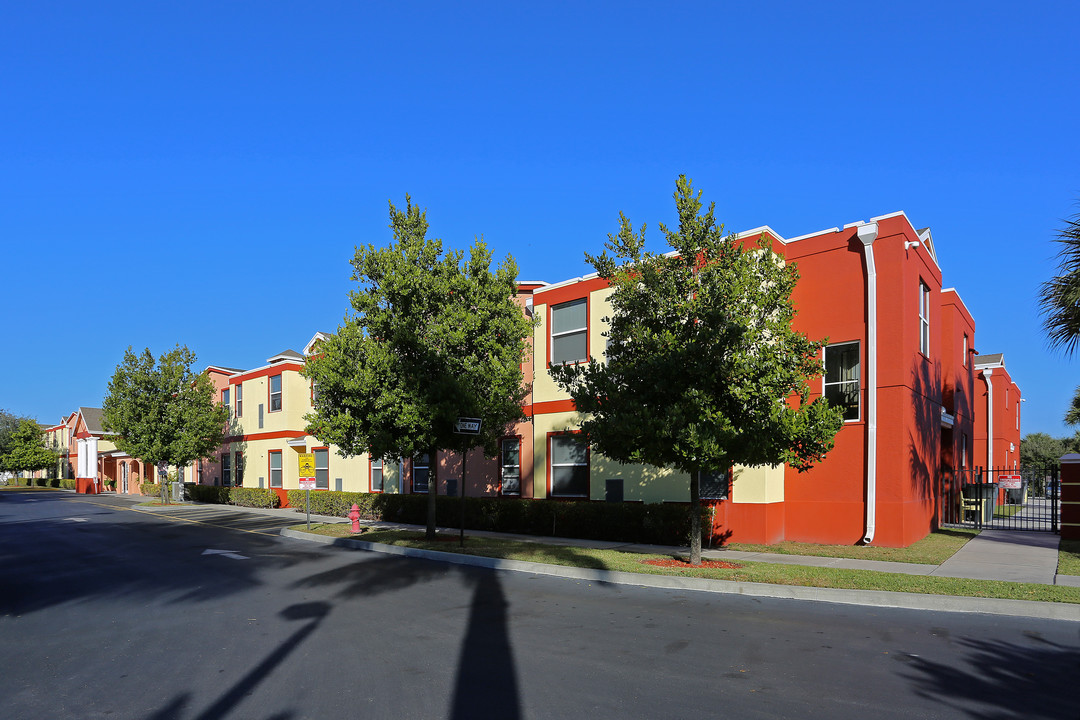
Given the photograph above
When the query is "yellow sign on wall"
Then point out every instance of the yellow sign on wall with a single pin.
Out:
(307, 465)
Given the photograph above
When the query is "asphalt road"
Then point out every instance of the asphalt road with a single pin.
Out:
(113, 612)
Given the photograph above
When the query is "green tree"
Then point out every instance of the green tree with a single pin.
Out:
(432, 337)
(1059, 298)
(161, 411)
(26, 450)
(1040, 450)
(703, 370)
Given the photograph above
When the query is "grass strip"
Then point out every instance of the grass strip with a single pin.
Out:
(758, 572)
(1069, 557)
(934, 549)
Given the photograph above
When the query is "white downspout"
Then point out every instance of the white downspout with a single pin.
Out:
(867, 235)
(989, 422)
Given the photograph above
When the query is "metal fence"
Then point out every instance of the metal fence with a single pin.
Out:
(1022, 498)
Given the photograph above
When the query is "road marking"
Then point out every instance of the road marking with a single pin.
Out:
(78, 519)
(225, 553)
(159, 514)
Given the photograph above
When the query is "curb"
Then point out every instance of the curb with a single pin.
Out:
(872, 598)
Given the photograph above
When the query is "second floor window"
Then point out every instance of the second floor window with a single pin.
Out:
(275, 393)
(569, 332)
(225, 397)
(924, 319)
(239, 401)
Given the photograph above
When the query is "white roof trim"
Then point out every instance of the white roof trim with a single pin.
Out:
(297, 442)
(314, 339)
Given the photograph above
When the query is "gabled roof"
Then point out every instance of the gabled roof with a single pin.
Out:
(223, 369)
(315, 339)
(286, 356)
(991, 360)
(92, 419)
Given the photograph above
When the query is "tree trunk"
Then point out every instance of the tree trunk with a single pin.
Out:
(695, 517)
(432, 492)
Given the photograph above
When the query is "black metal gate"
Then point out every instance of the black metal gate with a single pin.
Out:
(1024, 498)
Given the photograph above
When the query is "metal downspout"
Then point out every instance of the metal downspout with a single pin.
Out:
(987, 372)
(867, 235)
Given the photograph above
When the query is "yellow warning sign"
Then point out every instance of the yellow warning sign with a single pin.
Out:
(307, 465)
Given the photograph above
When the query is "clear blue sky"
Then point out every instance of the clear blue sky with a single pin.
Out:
(199, 173)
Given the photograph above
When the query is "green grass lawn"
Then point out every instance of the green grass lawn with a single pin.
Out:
(749, 572)
(934, 549)
(1004, 511)
(1069, 557)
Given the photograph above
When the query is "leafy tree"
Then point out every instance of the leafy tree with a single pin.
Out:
(161, 411)
(8, 424)
(26, 450)
(1059, 298)
(703, 370)
(1040, 450)
(432, 337)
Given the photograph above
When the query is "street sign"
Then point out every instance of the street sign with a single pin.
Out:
(467, 426)
(1009, 482)
(307, 483)
(307, 465)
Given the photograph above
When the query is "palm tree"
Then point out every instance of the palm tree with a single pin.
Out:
(1059, 299)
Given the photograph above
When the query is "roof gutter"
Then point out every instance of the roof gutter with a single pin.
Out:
(867, 234)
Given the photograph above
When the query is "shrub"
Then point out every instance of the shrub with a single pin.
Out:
(150, 488)
(67, 484)
(253, 497)
(654, 524)
(208, 493)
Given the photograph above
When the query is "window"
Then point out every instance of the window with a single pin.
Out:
(420, 470)
(275, 393)
(924, 319)
(963, 450)
(239, 468)
(510, 460)
(377, 475)
(963, 360)
(841, 387)
(314, 392)
(275, 468)
(239, 401)
(714, 485)
(225, 397)
(569, 332)
(569, 467)
(322, 468)
(226, 470)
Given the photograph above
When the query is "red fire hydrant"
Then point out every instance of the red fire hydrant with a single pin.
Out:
(354, 515)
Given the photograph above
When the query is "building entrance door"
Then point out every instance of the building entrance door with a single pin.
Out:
(124, 478)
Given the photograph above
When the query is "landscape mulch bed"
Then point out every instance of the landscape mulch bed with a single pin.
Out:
(677, 564)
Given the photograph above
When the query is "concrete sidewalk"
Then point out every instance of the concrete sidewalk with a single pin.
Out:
(1010, 555)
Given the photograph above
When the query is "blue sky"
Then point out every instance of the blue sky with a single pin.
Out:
(200, 173)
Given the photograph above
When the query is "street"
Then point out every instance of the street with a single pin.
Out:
(112, 611)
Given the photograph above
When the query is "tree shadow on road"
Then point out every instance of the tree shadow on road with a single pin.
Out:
(1001, 680)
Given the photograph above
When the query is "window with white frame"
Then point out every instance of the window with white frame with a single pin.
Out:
(238, 469)
(377, 475)
(714, 485)
(510, 466)
(275, 468)
(964, 359)
(569, 332)
(226, 470)
(569, 466)
(963, 450)
(225, 397)
(841, 382)
(275, 393)
(924, 319)
(322, 468)
(421, 468)
(239, 401)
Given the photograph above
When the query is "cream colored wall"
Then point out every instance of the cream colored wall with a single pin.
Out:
(544, 388)
(757, 485)
(353, 471)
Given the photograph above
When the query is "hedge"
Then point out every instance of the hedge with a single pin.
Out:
(655, 524)
(222, 495)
